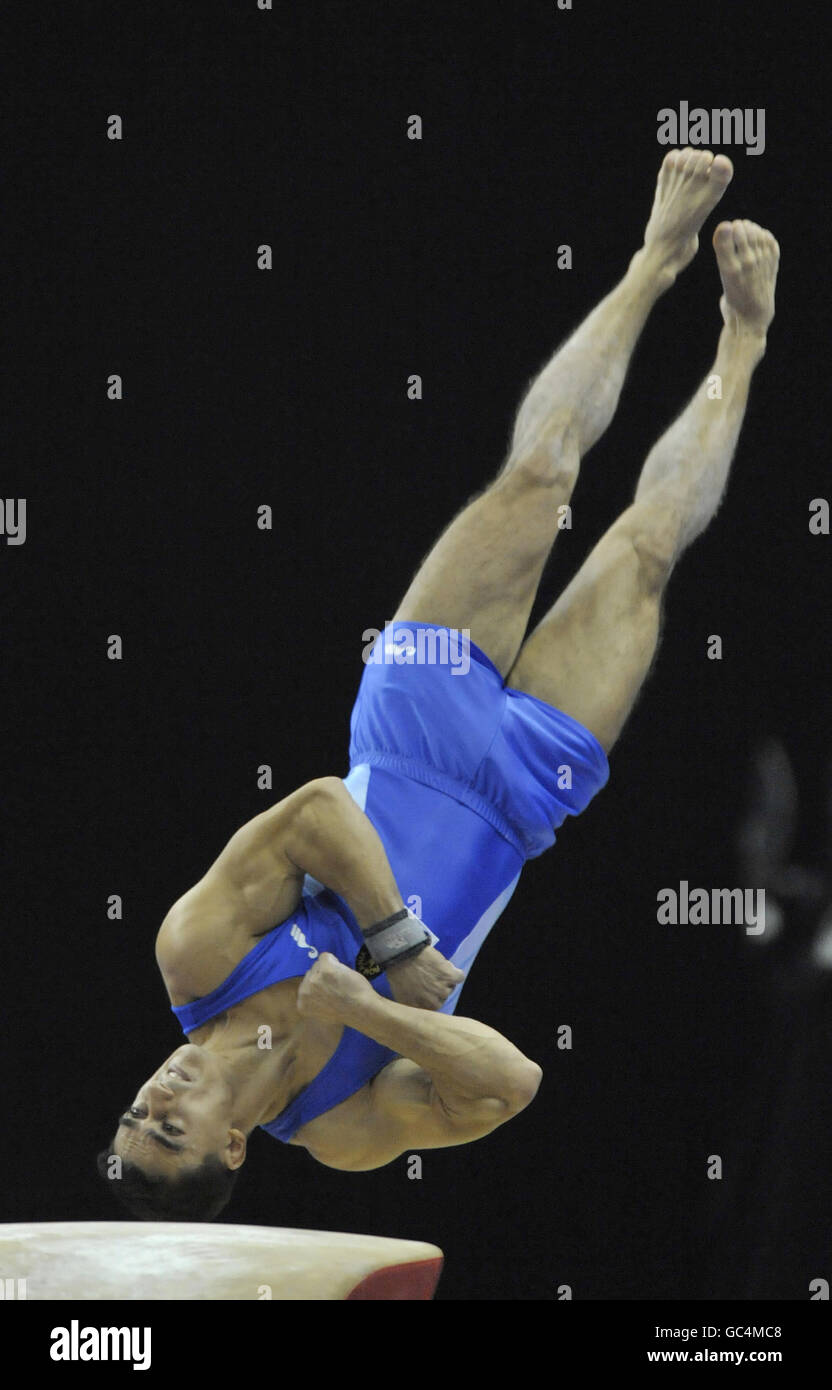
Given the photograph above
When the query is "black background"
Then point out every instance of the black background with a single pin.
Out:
(242, 647)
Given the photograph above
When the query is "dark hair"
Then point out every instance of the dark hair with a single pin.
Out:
(199, 1194)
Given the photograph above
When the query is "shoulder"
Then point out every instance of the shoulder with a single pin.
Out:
(196, 948)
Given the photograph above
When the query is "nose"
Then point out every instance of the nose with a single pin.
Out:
(161, 1086)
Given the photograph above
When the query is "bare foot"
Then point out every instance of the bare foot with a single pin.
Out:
(690, 184)
(748, 258)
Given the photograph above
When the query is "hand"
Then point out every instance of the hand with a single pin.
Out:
(425, 981)
(329, 988)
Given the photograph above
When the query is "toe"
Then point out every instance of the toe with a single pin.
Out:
(740, 238)
(767, 243)
(723, 242)
(722, 169)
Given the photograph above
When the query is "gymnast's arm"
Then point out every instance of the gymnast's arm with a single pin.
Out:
(257, 881)
(455, 1079)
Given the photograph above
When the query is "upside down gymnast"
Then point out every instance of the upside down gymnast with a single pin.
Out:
(300, 933)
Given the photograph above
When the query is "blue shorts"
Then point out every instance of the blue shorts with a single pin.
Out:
(454, 725)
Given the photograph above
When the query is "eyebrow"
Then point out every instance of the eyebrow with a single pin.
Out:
(166, 1143)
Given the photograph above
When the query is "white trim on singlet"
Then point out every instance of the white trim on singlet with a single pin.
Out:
(357, 784)
(465, 954)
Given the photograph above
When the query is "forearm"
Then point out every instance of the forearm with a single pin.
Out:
(466, 1060)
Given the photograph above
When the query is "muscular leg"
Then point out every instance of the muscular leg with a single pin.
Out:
(483, 572)
(590, 654)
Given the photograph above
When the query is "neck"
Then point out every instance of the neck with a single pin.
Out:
(259, 1061)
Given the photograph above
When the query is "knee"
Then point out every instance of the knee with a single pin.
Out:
(547, 459)
(653, 531)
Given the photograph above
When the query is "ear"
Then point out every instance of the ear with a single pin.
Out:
(234, 1154)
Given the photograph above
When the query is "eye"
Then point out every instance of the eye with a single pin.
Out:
(138, 1113)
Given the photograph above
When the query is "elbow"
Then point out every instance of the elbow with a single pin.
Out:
(324, 788)
(317, 802)
(525, 1085)
(324, 792)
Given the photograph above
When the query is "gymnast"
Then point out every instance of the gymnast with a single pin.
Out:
(316, 968)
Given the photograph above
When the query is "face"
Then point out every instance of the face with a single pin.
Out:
(179, 1116)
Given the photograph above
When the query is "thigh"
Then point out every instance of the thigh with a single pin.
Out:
(591, 653)
(483, 572)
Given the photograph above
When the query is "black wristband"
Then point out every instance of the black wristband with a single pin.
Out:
(396, 938)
